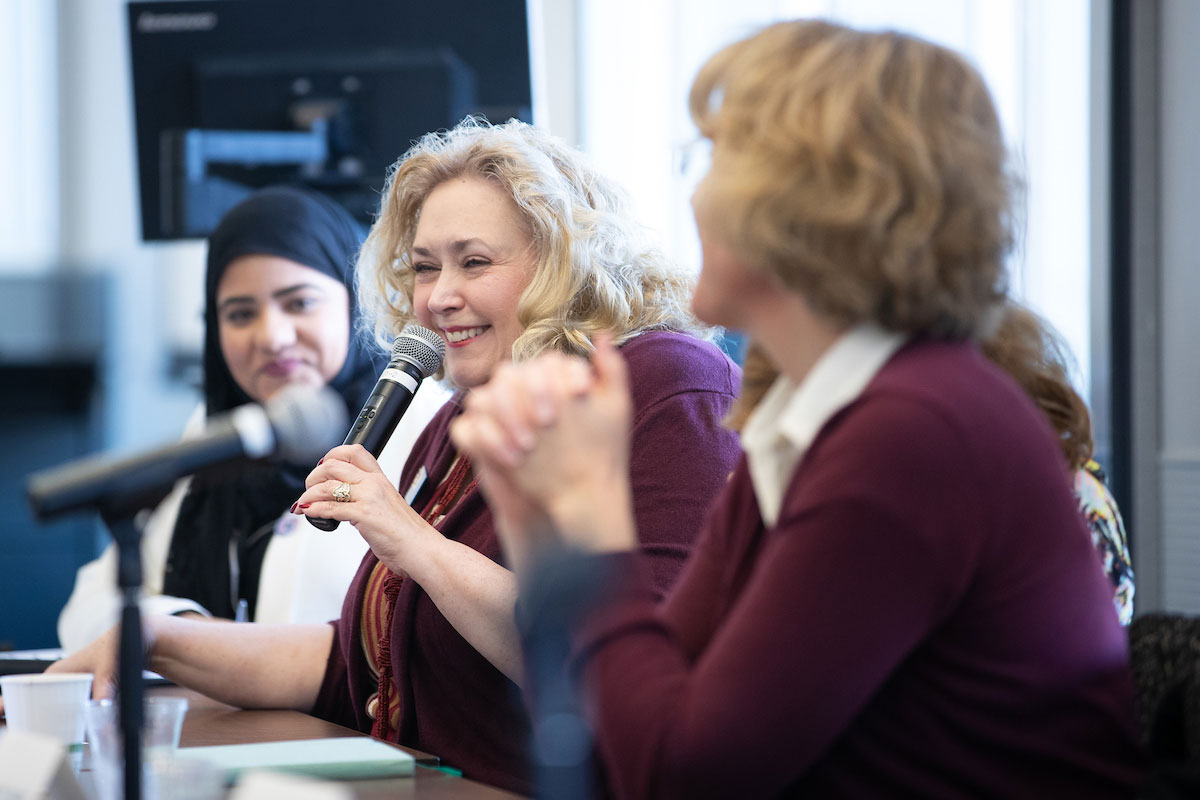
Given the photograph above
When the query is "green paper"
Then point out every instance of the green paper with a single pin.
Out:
(344, 758)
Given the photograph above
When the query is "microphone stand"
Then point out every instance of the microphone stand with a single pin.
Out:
(120, 518)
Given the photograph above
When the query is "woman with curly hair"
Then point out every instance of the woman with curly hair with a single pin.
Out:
(506, 243)
(895, 594)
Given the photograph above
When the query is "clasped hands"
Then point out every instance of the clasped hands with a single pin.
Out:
(549, 439)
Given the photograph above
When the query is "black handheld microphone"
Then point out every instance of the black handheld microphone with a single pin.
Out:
(416, 355)
(296, 425)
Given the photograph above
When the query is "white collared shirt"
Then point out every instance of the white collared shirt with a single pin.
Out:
(787, 419)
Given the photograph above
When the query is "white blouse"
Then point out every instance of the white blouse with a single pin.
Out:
(305, 571)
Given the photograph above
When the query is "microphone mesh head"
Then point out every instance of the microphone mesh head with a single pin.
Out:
(420, 347)
(307, 422)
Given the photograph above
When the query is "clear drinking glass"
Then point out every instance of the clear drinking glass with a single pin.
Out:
(163, 721)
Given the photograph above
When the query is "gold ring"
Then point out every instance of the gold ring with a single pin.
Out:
(342, 493)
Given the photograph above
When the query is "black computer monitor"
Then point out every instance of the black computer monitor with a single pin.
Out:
(232, 95)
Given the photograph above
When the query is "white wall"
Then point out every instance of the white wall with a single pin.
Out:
(28, 137)
(554, 47)
(68, 198)
(158, 288)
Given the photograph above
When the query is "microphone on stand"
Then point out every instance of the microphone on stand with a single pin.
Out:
(416, 354)
(297, 424)
(293, 425)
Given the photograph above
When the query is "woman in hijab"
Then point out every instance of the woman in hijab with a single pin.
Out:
(279, 309)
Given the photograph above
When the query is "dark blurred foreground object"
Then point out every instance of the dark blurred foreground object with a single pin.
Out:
(1164, 650)
(23, 666)
(229, 97)
(562, 588)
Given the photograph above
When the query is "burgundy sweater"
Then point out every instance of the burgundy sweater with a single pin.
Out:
(453, 702)
(927, 619)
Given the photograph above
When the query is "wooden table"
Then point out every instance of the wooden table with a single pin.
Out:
(209, 722)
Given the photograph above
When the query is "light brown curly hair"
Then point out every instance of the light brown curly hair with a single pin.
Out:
(1031, 351)
(867, 170)
(595, 269)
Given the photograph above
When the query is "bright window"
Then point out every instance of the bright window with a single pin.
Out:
(639, 57)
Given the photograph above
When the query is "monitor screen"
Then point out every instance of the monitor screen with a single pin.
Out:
(232, 95)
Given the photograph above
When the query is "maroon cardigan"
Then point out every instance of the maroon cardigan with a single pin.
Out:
(453, 702)
(927, 619)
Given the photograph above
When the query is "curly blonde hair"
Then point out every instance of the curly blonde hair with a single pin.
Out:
(866, 170)
(595, 270)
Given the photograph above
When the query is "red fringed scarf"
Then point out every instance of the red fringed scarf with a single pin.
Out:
(379, 604)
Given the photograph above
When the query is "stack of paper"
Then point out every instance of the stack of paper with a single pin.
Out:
(345, 758)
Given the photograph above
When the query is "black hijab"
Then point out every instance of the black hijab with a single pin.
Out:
(226, 521)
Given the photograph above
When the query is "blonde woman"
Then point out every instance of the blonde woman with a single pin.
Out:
(895, 594)
(507, 243)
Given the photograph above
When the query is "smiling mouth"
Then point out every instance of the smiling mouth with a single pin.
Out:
(462, 335)
(281, 369)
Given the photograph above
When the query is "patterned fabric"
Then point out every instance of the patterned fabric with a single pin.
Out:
(1103, 517)
(376, 614)
(379, 605)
